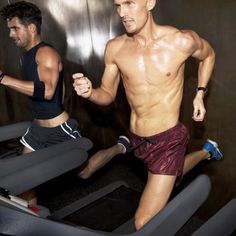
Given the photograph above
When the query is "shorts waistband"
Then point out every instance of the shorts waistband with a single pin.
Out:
(151, 138)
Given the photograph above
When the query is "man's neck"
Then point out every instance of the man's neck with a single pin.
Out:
(35, 41)
(147, 34)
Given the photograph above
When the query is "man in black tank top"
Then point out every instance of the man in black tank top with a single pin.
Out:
(42, 73)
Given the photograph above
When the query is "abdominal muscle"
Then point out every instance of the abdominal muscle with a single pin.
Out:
(153, 111)
(153, 121)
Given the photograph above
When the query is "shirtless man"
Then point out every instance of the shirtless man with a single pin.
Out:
(150, 59)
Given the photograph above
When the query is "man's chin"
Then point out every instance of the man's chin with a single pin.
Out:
(129, 30)
(17, 42)
(19, 45)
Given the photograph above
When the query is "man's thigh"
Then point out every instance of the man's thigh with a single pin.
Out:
(156, 194)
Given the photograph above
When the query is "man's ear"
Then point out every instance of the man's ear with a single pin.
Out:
(151, 4)
(32, 28)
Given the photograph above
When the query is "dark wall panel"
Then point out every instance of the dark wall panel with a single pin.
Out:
(214, 21)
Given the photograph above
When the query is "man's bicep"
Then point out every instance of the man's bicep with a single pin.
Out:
(49, 75)
(48, 71)
(48, 68)
(110, 79)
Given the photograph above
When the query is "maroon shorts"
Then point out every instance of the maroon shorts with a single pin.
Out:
(163, 153)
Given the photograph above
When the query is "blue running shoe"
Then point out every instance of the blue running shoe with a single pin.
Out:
(124, 141)
(212, 147)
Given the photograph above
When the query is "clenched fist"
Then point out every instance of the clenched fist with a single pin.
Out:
(82, 85)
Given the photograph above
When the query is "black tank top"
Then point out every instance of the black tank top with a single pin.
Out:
(42, 109)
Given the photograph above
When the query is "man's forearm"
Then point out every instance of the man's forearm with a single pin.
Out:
(101, 97)
(25, 87)
(205, 69)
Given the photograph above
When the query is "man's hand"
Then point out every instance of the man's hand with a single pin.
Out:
(82, 85)
(199, 110)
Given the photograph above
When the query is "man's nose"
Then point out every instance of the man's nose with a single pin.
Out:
(123, 11)
(11, 34)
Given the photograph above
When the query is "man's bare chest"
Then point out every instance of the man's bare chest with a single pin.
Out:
(154, 63)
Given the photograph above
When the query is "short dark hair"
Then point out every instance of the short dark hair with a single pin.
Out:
(27, 12)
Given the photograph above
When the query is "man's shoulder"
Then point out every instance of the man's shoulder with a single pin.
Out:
(116, 43)
(117, 40)
(166, 30)
(176, 35)
(47, 52)
(186, 33)
(186, 40)
(183, 40)
(176, 32)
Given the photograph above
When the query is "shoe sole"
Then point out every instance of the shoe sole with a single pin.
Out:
(216, 147)
(125, 138)
(221, 155)
(213, 143)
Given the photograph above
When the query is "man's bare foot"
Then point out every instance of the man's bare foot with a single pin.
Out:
(84, 173)
(30, 197)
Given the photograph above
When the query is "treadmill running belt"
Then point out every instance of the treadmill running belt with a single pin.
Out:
(108, 212)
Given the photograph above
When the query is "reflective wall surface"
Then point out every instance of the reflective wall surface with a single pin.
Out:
(79, 29)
